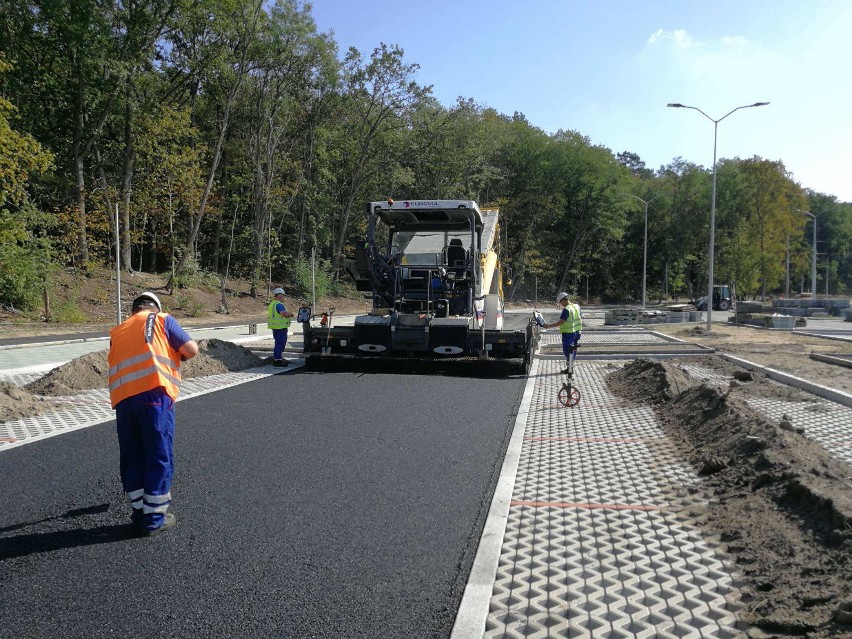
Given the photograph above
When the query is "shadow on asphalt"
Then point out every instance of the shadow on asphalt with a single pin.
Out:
(34, 543)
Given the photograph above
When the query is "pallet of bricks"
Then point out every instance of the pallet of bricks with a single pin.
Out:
(630, 316)
(816, 308)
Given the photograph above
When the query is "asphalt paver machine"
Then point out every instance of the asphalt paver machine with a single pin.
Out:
(433, 273)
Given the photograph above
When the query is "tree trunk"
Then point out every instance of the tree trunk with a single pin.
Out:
(232, 94)
(126, 181)
(107, 198)
(79, 177)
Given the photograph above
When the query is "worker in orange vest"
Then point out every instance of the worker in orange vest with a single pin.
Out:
(144, 380)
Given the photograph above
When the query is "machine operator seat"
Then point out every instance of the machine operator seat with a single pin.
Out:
(457, 257)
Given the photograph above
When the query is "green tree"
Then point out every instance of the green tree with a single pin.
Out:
(25, 263)
(379, 96)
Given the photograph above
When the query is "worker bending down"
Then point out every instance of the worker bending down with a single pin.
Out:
(570, 324)
(145, 353)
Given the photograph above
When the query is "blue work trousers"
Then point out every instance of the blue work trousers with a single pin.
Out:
(146, 426)
(280, 336)
(569, 342)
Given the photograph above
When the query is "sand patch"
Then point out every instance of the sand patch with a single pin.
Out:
(92, 371)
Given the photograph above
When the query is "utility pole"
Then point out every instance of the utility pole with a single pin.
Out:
(117, 270)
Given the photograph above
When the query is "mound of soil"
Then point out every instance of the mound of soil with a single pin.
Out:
(16, 403)
(92, 371)
(779, 501)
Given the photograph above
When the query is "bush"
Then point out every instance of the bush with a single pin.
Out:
(25, 267)
(189, 305)
(68, 312)
(301, 278)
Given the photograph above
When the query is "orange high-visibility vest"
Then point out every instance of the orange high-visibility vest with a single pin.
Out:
(141, 358)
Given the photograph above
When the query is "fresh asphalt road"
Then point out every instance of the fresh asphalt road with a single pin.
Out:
(308, 505)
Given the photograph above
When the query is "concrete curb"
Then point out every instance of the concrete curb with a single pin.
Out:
(473, 610)
(837, 338)
(791, 380)
(829, 359)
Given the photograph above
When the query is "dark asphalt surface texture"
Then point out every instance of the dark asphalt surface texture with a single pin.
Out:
(308, 505)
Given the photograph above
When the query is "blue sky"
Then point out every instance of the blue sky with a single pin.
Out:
(608, 68)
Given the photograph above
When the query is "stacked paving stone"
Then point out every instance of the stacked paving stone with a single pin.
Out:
(759, 314)
(808, 307)
(633, 316)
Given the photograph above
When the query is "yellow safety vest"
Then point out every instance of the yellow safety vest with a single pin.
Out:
(574, 323)
(273, 319)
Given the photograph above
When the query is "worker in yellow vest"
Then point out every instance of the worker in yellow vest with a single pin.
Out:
(145, 353)
(278, 319)
(570, 324)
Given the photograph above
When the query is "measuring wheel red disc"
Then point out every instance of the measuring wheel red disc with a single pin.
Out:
(569, 395)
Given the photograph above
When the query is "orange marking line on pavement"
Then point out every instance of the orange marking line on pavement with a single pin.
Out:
(588, 506)
(600, 440)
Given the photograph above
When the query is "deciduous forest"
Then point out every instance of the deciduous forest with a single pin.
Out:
(230, 137)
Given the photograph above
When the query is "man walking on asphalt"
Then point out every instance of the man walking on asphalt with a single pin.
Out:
(144, 379)
(278, 319)
(570, 324)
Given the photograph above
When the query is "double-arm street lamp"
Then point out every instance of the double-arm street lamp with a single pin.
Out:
(813, 254)
(677, 105)
(645, 258)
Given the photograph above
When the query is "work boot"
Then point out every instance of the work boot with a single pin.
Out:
(169, 521)
(280, 363)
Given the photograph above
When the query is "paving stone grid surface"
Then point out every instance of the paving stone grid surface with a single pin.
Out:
(593, 547)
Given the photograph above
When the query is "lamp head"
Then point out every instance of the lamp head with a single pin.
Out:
(675, 105)
(760, 104)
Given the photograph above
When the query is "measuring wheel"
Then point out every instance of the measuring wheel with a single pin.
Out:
(569, 395)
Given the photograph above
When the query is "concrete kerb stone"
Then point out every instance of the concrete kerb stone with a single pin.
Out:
(9, 347)
(838, 338)
(791, 380)
(473, 610)
(830, 359)
(671, 338)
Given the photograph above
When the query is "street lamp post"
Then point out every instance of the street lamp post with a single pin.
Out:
(117, 270)
(813, 254)
(677, 105)
(645, 257)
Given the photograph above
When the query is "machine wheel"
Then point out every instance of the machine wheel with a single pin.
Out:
(569, 395)
(724, 305)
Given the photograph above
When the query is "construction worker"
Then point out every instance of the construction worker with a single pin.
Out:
(145, 353)
(570, 324)
(278, 319)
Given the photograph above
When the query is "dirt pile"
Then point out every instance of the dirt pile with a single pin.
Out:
(779, 501)
(16, 403)
(92, 370)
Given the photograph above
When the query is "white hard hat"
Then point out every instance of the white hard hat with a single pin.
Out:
(278, 291)
(561, 296)
(147, 295)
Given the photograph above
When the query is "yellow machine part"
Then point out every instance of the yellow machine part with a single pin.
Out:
(488, 267)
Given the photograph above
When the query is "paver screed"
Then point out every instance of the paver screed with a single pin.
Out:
(593, 546)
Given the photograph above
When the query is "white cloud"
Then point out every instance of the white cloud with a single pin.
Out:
(679, 38)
